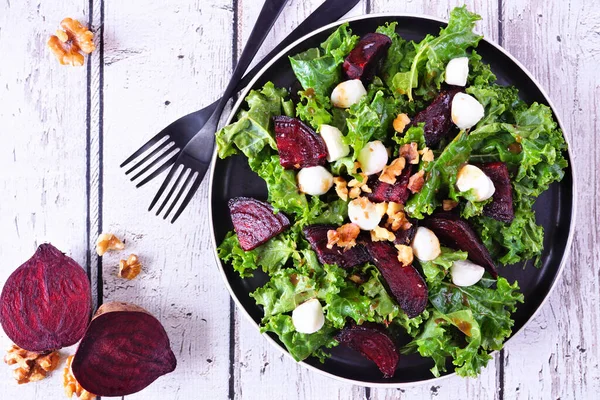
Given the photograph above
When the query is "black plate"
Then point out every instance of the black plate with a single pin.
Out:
(232, 177)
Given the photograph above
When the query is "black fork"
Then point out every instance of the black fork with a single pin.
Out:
(162, 150)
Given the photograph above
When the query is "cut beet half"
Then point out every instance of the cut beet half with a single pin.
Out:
(363, 61)
(46, 303)
(458, 234)
(298, 145)
(374, 344)
(124, 350)
(501, 207)
(384, 192)
(437, 116)
(317, 237)
(255, 221)
(404, 281)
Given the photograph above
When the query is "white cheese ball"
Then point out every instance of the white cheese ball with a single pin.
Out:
(425, 245)
(308, 317)
(314, 180)
(466, 111)
(365, 214)
(471, 177)
(465, 273)
(334, 140)
(373, 157)
(457, 71)
(348, 93)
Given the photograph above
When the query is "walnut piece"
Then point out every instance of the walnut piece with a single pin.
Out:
(72, 387)
(344, 236)
(380, 234)
(341, 187)
(400, 122)
(358, 186)
(427, 154)
(70, 40)
(106, 242)
(448, 205)
(32, 366)
(416, 182)
(410, 152)
(405, 254)
(130, 268)
(396, 217)
(390, 172)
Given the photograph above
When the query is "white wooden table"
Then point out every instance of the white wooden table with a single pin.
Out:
(64, 131)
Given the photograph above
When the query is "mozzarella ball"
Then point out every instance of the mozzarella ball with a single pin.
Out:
(457, 71)
(348, 93)
(365, 214)
(466, 110)
(373, 157)
(308, 317)
(465, 273)
(471, 177)
(425, 245)
(334, 140)
(314, 180)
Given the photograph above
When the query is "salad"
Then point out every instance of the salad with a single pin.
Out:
(400, 177)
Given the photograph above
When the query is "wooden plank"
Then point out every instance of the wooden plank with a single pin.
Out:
(162, 61)
(43, 164)
(557, 355)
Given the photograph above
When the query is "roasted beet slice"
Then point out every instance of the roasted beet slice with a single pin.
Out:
(363, 61)
(299, 146)
(501, 207)
(46, 303)
(374, 344)
(406, 236)
(255, 222)
(404, 281)
(317, 237)
(437, 116)
(457, 233)
(381, 191)
(124, 350)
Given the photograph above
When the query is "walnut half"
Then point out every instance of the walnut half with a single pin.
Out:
(31, 366)
(72, 387)
(70, 40)
(106, 242)
(130, 268)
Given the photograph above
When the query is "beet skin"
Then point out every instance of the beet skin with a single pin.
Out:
(124, 350)
(437, 116)
(363, 60)
(298, 145)
(46, 303)
(501, 207)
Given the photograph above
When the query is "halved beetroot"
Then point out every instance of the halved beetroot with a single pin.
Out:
(406, 236)
(374, 344)
(124, 350)
(501, 207)
(381, 191)
(255, 222)
(317, 237)
(457, 233)
(363, 61)
(404, 281)
(46, 303)
(299, 146)
(437, 116)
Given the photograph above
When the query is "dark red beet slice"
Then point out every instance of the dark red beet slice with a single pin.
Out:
(457, 233)
(317, 237)
(501, 207)
(404, 281)
(381, 191)
(46, 304)
(299, 146)
(372, 343)
(255, 222)
(124, 350)
(437, 116)
(363, 60)
(406, 236)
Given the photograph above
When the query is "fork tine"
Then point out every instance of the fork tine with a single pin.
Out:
(158, 170)
(153, 163)
(163, 186)
(187, 199)
(183, 187)
(166, 200)
(157, 138)
(164, 146)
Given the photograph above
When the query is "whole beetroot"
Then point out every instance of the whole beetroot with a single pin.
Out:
(46, 303)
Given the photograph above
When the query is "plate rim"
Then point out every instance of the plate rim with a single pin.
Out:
(231, 116)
